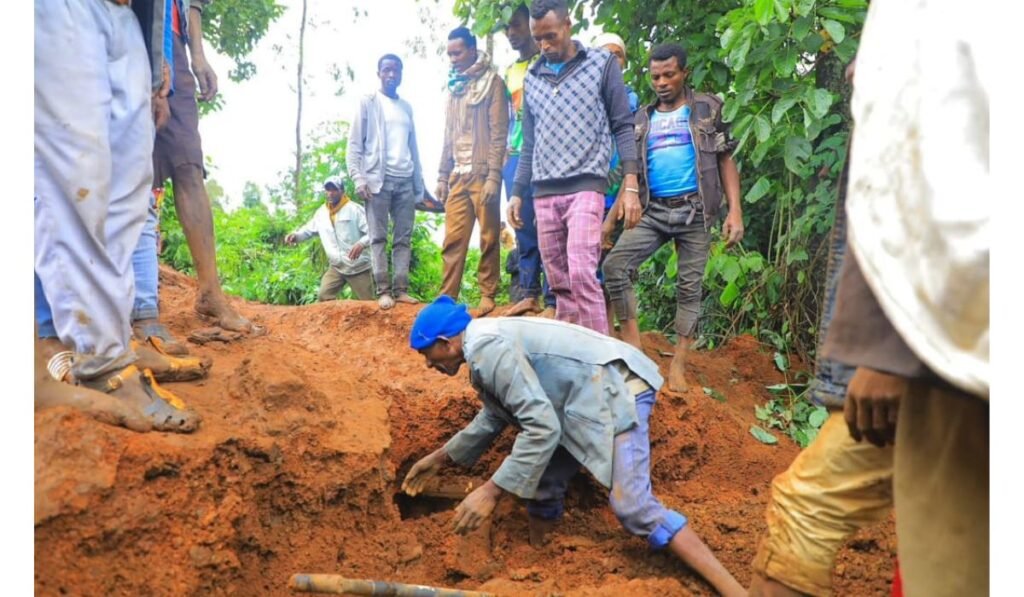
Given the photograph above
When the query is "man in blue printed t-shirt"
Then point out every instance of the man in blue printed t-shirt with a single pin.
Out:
(686, 168)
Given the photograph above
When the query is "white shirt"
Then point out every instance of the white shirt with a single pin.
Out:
(919, 196)
(397, 126)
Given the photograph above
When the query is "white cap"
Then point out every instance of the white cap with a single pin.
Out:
(609, 39)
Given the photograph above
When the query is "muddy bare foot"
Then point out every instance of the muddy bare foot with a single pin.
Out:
(486, 306)
(523, 307)
(677, 370)
(222, 313)
(406, 299)
(540, 531)
(547, 313)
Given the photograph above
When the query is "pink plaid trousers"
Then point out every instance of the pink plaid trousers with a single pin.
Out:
(569, 231)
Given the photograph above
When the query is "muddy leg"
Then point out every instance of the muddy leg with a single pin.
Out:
(676, 377)
(196, 217)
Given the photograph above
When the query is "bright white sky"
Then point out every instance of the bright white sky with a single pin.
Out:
(253, 137)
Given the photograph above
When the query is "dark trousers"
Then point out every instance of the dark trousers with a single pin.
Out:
(531, 265)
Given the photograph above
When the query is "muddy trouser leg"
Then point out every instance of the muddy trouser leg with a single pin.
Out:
(634, 247)
(942, 492)
(692, 245)
(331, 284)
(378, 212)
(147, 270)
(631, 496)
(459, 219)
(831, 490)
(93, 171)
(361, 285)
(526, 237)
(403, 214)
(549, 501)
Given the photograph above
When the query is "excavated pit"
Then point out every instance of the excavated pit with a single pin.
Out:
(307, 433)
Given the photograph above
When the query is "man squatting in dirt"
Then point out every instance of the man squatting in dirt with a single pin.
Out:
(539, 375)
(341, 225)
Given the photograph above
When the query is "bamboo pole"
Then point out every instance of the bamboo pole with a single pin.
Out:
(339, 585)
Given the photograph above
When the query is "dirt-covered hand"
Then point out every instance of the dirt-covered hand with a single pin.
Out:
(608, 231)
(630, 211)
(364, 192)
(872, 405)
(291, 239)
(206, 77)
(422, 472)
(514, 205)
(491, 190)
(356, 251)
(442, 191)
(477, 506)
(733, 228)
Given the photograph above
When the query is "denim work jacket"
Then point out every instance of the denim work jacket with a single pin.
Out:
(560, 383)
(710, 139)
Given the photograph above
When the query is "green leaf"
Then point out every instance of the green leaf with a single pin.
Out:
(760, 412)
(762, 128)
(818, 417)
(732, 107)
(778, 388)
(846, 50)
(672, 266)
(803, 7)
(828, 12)
(759, 190)
(763, 10)
(796, 152)
(795, 256)
(752, 262)
(820, 102)
(731, 270)
(835, 30)
(781, 361)
(785, 62)
(782, 105)
(763, 436)
(802, 26)
(715, 394)
(729, 295)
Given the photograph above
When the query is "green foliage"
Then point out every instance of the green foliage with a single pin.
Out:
(253, 260)
(779, 66)
(233, 28)
(789, 410)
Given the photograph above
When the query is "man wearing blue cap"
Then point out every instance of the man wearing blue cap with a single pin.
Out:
(579, 398)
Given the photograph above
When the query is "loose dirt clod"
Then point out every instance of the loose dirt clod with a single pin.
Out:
(307, 432)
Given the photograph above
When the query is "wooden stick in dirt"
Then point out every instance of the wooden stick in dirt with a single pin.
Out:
(339, 585)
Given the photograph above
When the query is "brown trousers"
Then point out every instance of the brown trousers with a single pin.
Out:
(333, 282)
(465, 207)
(941, 485)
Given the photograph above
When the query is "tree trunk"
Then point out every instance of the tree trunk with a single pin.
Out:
(298, 112)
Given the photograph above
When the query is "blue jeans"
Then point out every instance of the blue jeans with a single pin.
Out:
(147, 279)
(831, 377)
(531, 265)
(630, 497)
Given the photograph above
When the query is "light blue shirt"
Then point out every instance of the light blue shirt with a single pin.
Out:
(671, 157)
(562, 384)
